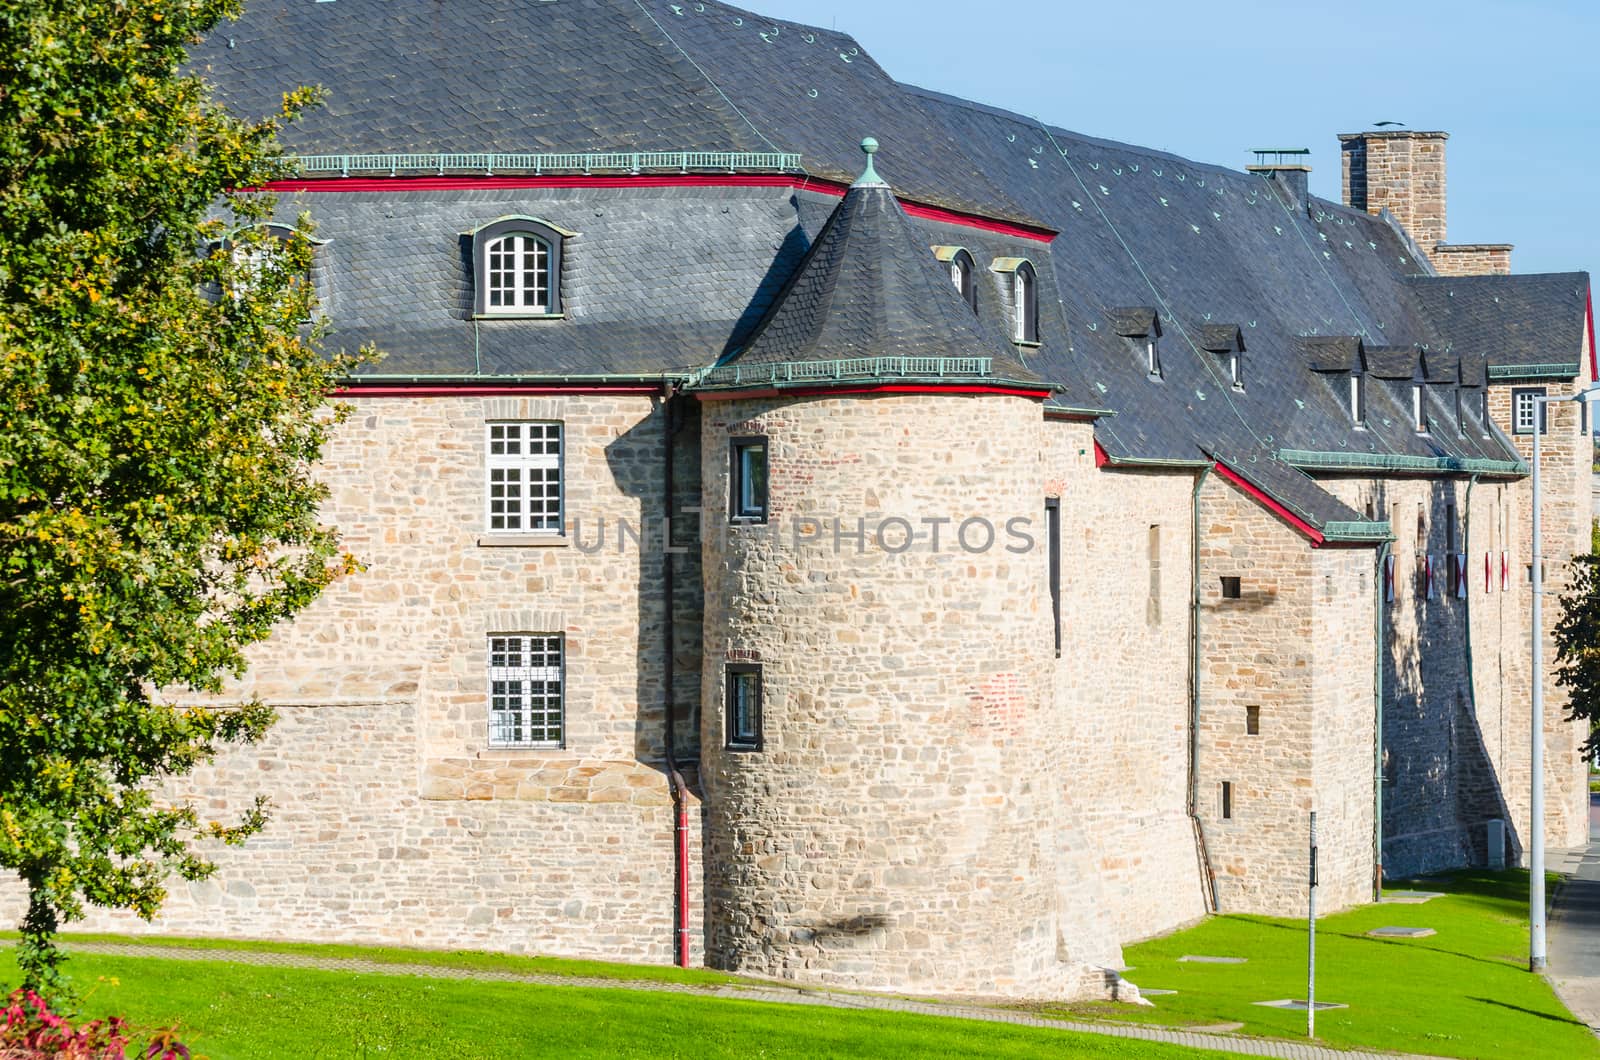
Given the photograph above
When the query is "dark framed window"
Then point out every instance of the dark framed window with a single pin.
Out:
(744, 706)
(1025, 299)
(1232, 588)
(526, 680)
(963, 275)
(1052, 533)
(1526, 412)
(1227, 800)
(747, 480)
(1252, 721)
(516, 263)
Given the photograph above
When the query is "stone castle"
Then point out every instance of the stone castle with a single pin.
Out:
(928, 570)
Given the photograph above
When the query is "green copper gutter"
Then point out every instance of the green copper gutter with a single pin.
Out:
(489, 164)
(1308, 460)
(1533, 371)
(1357, 530)
(804, 372)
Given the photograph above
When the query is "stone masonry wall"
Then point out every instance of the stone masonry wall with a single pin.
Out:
(1566, 457)
(1121, 685)
(1472, 259)
(895, 830)
(1256, 651)
(394, 820)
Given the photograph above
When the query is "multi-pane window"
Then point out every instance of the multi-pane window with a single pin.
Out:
(519, 273)
(748, 480)
(525, 690)
(524, 488)
(1526, 412)
(744, 706)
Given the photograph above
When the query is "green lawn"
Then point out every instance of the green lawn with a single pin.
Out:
(1462, 992)
(242, 1012)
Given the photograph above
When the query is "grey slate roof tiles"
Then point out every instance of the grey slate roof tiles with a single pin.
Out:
(664, 279)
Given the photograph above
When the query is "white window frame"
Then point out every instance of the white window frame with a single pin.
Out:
(512, 470)
(1023, 294)
(1418, 420)
(1358, 400)
(1534, 409)
(748, 498)
(527, 702)
(1235, 370)
(517, 275)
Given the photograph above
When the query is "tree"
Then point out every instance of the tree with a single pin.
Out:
(162, 403)
(1577, 638)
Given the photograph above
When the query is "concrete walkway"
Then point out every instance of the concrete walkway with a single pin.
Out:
(1573, 928)
(1227, 1043)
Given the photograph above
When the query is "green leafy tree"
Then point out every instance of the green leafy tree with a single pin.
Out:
(1577, 637)
(161, 407)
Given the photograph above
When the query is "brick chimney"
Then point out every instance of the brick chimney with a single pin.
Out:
(1403, 171)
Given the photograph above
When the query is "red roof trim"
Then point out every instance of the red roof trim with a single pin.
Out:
(1271, 505)
(832, 391)
(687, 180)
(1594, 373)
(505, 389)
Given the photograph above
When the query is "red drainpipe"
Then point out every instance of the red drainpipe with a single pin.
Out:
(680, 790)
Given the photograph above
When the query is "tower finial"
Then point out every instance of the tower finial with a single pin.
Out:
(869, 177)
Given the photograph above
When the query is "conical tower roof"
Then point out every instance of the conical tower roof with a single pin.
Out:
(870, 288)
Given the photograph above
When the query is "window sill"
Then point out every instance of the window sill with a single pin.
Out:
(747, 520)
(524, 541)
(506, 750)
(1031, 344)
(519, 316)
(743, 748)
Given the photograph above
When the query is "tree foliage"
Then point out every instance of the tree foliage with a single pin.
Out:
(1577, 637)
(161, 406)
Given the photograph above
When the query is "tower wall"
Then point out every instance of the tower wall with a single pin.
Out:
(895, 830)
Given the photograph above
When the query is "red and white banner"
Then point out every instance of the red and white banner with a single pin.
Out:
(1427, 575)
(1505, 573)
(1460, 559)
(1388, 579)
(1488, 573)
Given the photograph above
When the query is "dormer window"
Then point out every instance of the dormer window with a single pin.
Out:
(1417, 416)
(1019, 287)
(1152, 356)
(1358, 400)
(1235, 371)
(1461, 414)
(1227, 341)
(517, 267)
(963, 273)
(1025, 305)
(1141, 326)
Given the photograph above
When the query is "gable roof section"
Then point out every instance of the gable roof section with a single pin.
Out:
(1522, 325)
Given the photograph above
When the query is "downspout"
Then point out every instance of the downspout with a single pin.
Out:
(680, 790)
(1466, 622)
(1380, 589)
(1209, 888)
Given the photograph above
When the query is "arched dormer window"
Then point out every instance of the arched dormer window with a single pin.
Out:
(1021, 288)
(517, 268)
(963, 273)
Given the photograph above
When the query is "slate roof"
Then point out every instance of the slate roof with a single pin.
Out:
(1526, 321)
(667, 281)
(869, 287)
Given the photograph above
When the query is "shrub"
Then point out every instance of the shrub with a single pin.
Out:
(31, 1030)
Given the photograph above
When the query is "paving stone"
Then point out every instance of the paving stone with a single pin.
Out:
(1401, 933)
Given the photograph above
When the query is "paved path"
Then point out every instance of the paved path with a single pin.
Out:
(759, 992)
(1573, 931)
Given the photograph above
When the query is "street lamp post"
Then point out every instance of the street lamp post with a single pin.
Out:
(1536, 948)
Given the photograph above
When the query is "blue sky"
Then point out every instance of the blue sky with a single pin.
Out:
(1513, 83)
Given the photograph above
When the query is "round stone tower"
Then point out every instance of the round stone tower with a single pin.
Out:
(877, 718)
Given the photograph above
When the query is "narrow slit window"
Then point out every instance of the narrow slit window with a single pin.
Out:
(1252, 721)
(1152, 356)
(744, 707)
(1227, 800)
(1417, 416)
(748, 480)
(1025, 304)
(1153, 554)
(1235, 371)
(1052, 529)
(1358, 400)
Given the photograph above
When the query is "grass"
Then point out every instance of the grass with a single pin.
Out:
(1462, 992)
(231, 1011)
(463, 959)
